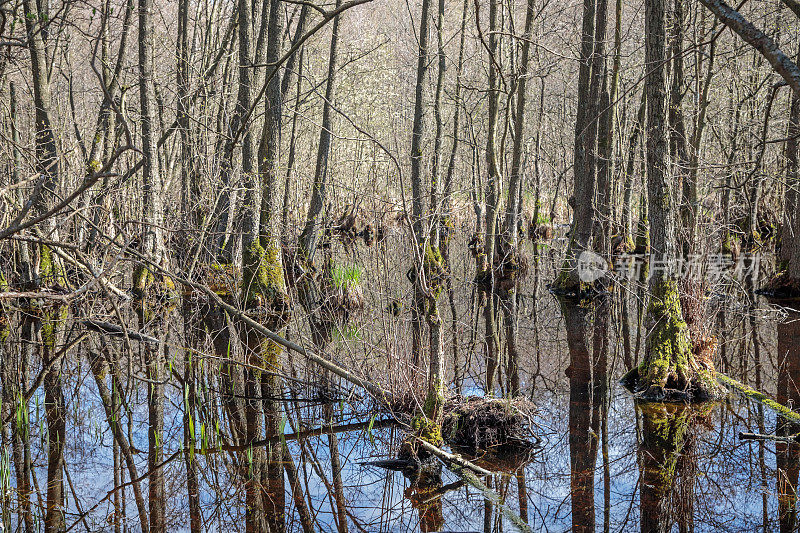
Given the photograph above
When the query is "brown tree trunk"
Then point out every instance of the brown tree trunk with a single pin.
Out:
(55, 413)
(493, 186)
(669, 369)
(787, 455)
(790, 236)
(586, 381)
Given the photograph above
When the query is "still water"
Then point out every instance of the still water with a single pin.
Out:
(605, 463)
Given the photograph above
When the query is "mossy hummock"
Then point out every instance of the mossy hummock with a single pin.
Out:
(509, 266)
(670, 370)
(152, 291)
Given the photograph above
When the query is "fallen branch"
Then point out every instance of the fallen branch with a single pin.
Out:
(377, 391)
(117, 331)
(776, 438)
(452, 459)
(467, 470)
(760, 397)
(299, 435)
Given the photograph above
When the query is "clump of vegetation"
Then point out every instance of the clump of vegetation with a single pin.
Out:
(344, 292)
(346, 276)
(475, 424)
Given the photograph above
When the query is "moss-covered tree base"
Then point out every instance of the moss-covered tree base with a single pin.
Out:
(263, 286)
(154, 294)
(568, 285)
(622, 245)
(674, 368)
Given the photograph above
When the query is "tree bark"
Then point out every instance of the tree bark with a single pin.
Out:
(316, 210)
(55, 413)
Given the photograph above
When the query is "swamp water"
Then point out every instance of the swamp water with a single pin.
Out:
(604, 462)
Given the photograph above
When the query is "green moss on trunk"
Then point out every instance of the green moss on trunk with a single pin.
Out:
(264, 294)
(670, 371)
(668, 346)
(427, 429)
(262, 279)
(53, 320)
(50, 271)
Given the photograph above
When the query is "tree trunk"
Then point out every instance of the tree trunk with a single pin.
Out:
(586, 381)
(628, 243)
(493, 186)
(55, 413)
(669, 369)
(316, 210)
(582, 200)
(677, 134)
(787, 455)
(790, 236)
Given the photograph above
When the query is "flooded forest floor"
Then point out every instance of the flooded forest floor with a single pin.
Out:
(596, 460)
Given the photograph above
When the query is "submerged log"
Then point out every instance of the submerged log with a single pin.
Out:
(467, 472)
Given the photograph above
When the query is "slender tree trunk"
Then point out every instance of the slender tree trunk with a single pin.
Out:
(100, 369)
(153, 246)
(417, 181)
(787, 455)
(600, 134)
(20, 428)
(45, 141)
(628, 177)
(291, 173)
(677, 133)
(55, 413)
(511, 223)
(583, 168)
(790, 236)
(493, 185)
(316, 211)
(446, 229)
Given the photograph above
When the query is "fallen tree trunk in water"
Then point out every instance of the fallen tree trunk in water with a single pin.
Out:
(466, 471)
(760, 397)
